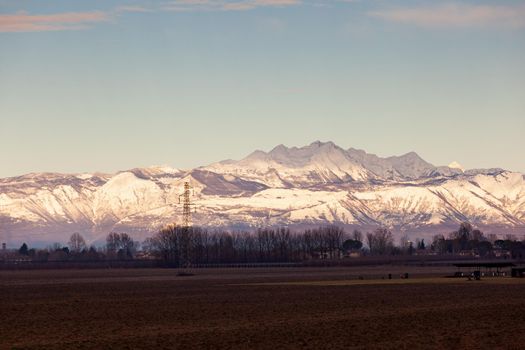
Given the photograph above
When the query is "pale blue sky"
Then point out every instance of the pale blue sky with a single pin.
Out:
(110, 85)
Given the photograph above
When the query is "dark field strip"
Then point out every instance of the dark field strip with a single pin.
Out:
(227, 310)
(36, 277)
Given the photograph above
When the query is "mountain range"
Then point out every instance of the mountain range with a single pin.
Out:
(312, 185)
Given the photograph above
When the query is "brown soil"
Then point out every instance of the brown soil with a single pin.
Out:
(258, 308)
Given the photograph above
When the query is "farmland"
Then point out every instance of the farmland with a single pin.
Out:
(338, 307)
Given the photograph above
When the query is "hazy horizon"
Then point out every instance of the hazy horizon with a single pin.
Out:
(111, 171)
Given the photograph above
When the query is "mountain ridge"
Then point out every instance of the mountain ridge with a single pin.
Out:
(311, 185)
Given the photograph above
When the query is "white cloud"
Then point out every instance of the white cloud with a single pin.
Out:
(25, 22)
(456, 15)
(225, 5)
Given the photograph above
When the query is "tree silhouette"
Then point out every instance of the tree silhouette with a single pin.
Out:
(77, 243)
(23, 250)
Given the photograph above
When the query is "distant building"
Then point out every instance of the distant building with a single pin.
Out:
(469, 252)
(327, 254)
(501, 253)
(353, 253)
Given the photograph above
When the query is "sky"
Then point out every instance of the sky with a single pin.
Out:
(111, 85)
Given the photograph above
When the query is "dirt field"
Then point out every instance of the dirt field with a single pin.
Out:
(317, 308)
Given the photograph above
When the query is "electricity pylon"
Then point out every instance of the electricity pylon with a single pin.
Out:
(186, 205)
(185, 258)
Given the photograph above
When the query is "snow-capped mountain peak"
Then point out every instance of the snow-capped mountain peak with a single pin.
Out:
(456, 165)
(319, 162)
(314, 184)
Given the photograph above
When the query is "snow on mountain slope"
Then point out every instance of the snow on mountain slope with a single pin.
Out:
(315, 184)
(123, 195)
(409, 166)
(456, 165)
(48, 197)
(325, 162)
(317, 163)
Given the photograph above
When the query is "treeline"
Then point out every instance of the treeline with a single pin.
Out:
(179, 246)
(119, 246)
(468, 240)
(185, 246)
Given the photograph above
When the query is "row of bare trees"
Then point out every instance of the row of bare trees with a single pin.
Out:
(119, 246)
(183, 246)
(179, 246)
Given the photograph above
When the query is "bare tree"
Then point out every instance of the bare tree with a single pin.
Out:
(404, 242)
(370, 241)
(357, 235)
(477, 235)
(112, 242)
(77, 243)
(380, 242)
(492, 237)
(511, 237)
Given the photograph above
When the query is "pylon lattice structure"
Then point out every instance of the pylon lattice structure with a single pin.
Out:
(186, 205)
